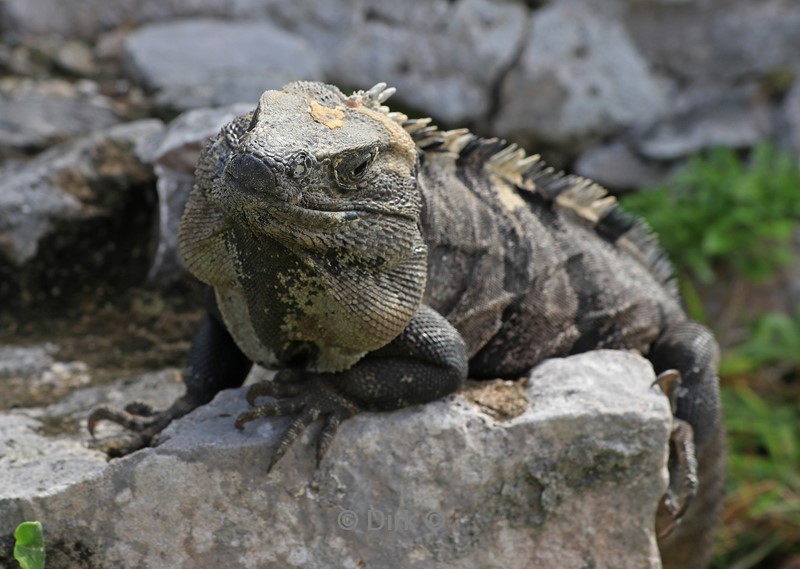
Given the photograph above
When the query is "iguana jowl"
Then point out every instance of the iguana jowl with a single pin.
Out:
(376, 261)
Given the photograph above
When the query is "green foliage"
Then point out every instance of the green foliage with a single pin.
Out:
(29, 547)
(773, 339)
(763, 498)
(717, 211)
(724, 218)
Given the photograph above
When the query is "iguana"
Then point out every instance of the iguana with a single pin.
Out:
(376, 261)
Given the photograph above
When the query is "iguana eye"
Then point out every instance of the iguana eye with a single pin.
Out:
(351, 169)
(361, 167)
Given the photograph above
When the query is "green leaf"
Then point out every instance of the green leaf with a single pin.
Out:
(720, 212)
(29, 547)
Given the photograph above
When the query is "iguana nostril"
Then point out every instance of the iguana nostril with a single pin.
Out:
(251, 172)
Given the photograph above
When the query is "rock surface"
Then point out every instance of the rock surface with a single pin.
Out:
(31, 374)
(438, 485)
(791, 115)
(445, 60)
(558, 76)
(698, 121)
(199, 62)
(38, 114)
(63, 213)
(715, 40)
(579, 77)
(617, 167)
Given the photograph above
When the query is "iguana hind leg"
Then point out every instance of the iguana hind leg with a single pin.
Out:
(682, 461)
(690, 349)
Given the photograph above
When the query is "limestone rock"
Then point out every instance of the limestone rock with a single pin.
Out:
(85, 18)
(572, 482)
(76, 57)
(37, 114)
(791, 117)
(716, 41)
(204, 62)
(699, 120)
(444, 60)
(66, 214)
(30, 375)
(579, 77)
(618, 168)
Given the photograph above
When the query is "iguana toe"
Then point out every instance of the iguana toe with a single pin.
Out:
(311, 400)
(683, 463)
(275, 408)
(276, 388)
(135, 417)
(683, 478)
(669, 381)
(140, 418)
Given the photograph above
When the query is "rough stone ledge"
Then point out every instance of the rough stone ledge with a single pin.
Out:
(572, 482)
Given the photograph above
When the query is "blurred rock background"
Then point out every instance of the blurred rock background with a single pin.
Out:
(104, 105)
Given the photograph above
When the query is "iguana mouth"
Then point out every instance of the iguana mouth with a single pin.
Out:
(249, 176)
(291, 209)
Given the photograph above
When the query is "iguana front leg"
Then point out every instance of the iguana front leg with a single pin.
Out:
(428, 360)
(215, 362)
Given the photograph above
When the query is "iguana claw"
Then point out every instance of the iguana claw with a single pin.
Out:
(310, 399)
(140, 418)
(683, 463)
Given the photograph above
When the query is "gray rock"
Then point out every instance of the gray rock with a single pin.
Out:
(444, 60)
(24, 19)
(791, 116)
(30, 375)
(185, 136)
(85, 18)
(698, 120)
(676, 37)
(202, 62)
(618, 168)
(175, 160)
(33, 466)
(81, 199)
(572, 482)
(756, 38)
(716, 40)
(157, 389)
(25, 361)
(39, 114)
(50, 466)
(76, 57)
(579, 78)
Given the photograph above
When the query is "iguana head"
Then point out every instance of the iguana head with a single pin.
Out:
(318, 170)
(305, 218)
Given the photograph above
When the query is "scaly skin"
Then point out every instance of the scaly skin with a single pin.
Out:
(376, 261)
